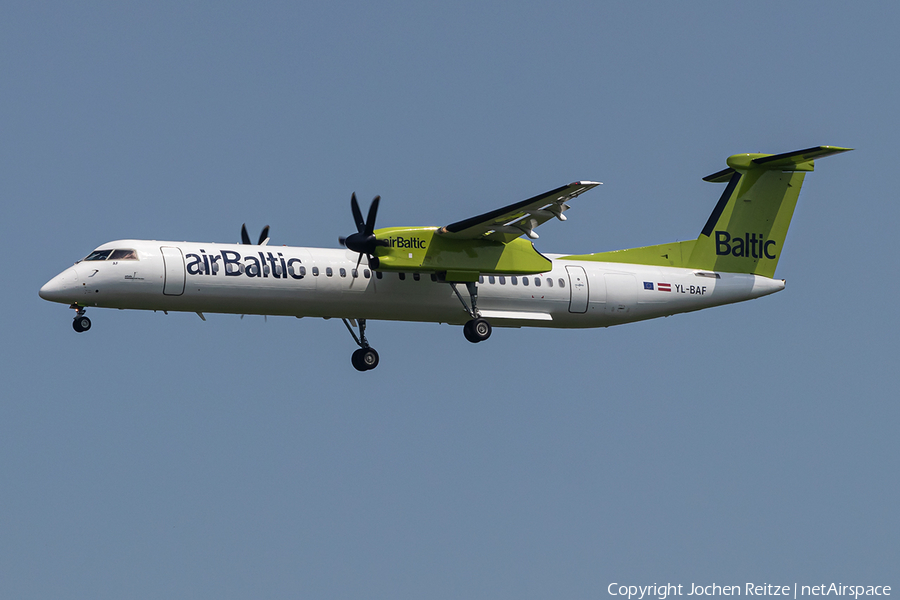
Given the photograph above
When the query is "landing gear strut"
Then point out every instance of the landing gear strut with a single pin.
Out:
(364, 358)
(81, 322)
(477, 329)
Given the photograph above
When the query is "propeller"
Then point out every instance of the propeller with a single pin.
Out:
(263, 236)
(364, 240)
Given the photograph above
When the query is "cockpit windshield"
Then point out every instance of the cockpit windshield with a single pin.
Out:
(110, 254)
(98, 255)
(123, 255)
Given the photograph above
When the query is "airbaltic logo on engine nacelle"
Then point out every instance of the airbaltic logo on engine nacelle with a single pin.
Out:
(748, 246)
(402, 242)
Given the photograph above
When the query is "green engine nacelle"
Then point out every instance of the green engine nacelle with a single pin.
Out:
(424, 249)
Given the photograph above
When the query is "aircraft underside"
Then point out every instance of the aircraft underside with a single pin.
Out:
(573, 294)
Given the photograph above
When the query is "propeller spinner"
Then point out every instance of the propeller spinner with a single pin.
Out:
(364, 240)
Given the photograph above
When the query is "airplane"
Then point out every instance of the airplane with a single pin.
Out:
(415, 273)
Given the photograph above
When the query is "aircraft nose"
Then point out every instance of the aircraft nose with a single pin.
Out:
(61, 288)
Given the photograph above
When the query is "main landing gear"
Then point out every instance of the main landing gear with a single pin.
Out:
(81, 322)
(364, 358)
(477, 329)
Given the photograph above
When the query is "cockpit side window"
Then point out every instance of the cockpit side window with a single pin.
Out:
(98, 255)
(123, 255)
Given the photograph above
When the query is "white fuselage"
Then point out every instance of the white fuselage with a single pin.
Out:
(320, 282)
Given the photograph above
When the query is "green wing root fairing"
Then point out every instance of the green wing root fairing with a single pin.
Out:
(424, 249)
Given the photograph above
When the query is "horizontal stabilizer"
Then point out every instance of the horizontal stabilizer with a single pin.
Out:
(799, 160)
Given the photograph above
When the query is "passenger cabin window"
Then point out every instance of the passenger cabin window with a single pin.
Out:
(514, 280)
(367, 273)
(379, 274)
(502, 280)
(354, 273)
(537, 282)
(329, 272)
(433, 277)
(402, 276)
(302, 271)
(315, 271)
(491, 279)
(524, 281)
(416, 276)
(549, 282)
(481, 279)
(343, 272)
(562, 282)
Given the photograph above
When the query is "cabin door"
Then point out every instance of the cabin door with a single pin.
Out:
(578, 290)
(174, 268)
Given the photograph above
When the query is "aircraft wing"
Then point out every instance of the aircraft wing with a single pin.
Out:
(507, 223)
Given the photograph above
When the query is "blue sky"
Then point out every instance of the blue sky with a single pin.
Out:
(164, 456)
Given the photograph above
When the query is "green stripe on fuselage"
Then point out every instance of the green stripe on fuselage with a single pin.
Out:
(675, 254)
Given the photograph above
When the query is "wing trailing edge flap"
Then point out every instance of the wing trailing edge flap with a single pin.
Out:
(510, 222)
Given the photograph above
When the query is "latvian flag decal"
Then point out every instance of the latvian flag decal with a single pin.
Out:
(664, 287)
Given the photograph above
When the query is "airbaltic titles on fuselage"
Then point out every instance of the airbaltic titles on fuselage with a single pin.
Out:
(235, 265)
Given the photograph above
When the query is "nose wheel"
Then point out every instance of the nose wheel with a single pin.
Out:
(81, 322)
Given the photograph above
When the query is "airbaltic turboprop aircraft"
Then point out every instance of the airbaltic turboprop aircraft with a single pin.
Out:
(415, 273)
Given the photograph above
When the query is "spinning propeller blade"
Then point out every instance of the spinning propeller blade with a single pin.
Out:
(357, 214)
(263, 237)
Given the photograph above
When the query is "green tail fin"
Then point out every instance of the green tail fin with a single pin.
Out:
(746, 231)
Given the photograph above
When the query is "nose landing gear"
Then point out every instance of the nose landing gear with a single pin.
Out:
(81, 322)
